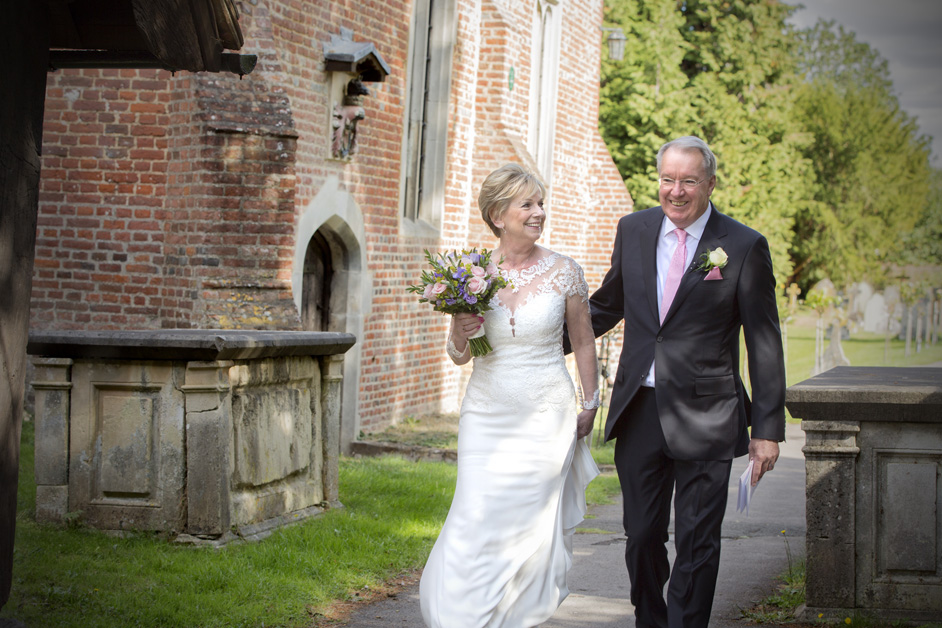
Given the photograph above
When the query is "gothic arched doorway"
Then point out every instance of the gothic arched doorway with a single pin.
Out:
(332, 289)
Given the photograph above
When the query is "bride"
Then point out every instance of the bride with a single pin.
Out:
(504, 552)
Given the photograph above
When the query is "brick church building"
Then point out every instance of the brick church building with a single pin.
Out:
(302, 196)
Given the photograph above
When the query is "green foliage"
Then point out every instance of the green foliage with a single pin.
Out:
(643, 98)
(871, 168)
(779, 607)
(871, 184)
(818, 301)
(923, 245)
(829, 54)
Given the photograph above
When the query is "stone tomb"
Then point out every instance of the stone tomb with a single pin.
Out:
(197, 433)
(873, 468)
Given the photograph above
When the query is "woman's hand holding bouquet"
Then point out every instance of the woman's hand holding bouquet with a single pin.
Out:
(462, 282)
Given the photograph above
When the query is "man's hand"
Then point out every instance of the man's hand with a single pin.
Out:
(584, 423)
(764, 453)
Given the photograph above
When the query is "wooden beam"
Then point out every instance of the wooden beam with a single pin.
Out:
(189, 34)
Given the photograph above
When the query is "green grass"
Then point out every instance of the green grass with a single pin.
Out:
(603, 489)
(81, 577)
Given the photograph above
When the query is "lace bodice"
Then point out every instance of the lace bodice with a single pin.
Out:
(527, 367)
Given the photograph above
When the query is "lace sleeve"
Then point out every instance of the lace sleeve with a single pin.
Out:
(579, 323)
(571, 280)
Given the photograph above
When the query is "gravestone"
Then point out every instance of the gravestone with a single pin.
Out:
(834, 354)
(825, 287)
(857, 296)
(864, 292)
(894, 304)
(211, 435)
(793, 292)
(875, 314)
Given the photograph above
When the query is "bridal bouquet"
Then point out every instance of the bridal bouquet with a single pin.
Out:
(461, 281)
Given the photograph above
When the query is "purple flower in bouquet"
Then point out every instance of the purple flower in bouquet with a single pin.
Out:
(461, 282)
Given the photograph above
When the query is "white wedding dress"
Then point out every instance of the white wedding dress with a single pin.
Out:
(502, 557)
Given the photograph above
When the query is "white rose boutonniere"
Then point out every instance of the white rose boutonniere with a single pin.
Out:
(712, 261)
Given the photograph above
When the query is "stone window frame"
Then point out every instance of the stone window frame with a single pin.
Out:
(544, 87)
(433, 37)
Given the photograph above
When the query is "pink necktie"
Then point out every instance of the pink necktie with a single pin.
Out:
(674, 272)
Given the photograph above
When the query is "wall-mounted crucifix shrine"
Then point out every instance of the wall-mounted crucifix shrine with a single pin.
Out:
(350, 64)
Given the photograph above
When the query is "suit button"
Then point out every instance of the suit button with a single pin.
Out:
(660, 338)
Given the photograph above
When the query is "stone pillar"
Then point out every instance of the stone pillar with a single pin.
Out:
(332, 391)
(53, 386)
(208, 433)
(830, 484)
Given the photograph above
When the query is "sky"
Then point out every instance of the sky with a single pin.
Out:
(908, 34)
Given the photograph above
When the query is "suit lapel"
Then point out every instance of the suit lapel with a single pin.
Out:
(648, 237)
(713, 235)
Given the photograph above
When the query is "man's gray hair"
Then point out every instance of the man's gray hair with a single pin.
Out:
(690, 142)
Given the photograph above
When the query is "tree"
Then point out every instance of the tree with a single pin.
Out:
(832, 55)
(870, 167)
(642, 98)
(923, 245)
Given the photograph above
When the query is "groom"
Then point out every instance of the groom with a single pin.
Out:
(685, 279)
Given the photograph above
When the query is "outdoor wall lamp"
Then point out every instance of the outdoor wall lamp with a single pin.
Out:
(616, 42)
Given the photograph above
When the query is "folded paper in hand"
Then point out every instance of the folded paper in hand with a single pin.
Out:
(746, 489)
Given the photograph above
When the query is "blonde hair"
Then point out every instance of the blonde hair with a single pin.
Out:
(501, 187)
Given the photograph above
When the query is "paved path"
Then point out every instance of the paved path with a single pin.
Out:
(754, 554)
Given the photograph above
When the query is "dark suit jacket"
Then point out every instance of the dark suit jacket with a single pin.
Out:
(703, 407)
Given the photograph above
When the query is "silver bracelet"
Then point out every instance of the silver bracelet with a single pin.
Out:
(594, 403)
(453, 350)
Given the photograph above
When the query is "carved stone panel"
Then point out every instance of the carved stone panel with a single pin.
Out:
(277, 461)
(272, 419)
(899, 511)
(126, 450)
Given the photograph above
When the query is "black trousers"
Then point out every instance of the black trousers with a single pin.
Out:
(648, 476)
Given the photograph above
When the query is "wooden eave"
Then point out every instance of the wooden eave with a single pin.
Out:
(186, 35)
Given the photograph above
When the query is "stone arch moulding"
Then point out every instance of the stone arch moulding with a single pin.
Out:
(335, 213)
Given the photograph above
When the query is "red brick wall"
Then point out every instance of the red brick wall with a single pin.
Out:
(99, 253)
(175, 201)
